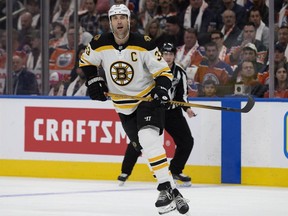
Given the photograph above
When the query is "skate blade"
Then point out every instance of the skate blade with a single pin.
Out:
(121, 183)
(188, 214)
(183, 184)
(166, 209)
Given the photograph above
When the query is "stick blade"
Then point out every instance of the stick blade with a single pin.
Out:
(249, 105)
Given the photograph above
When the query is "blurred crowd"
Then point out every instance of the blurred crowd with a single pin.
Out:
(223, 45)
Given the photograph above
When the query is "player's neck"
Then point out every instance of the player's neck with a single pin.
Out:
(121, 40)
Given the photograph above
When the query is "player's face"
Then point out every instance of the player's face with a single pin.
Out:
(120, 25)
(169, 58)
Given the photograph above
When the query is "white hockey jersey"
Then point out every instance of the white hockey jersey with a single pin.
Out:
(130, 69)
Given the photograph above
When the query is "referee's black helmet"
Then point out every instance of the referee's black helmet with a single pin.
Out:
(168, 47)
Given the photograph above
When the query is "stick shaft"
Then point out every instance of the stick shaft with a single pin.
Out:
(245, 109)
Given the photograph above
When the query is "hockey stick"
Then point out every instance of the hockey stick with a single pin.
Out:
(249, 105)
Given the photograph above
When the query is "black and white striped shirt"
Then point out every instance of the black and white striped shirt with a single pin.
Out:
(179, 88)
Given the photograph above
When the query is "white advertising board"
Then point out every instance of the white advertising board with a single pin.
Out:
(62, 130)
(263, 136)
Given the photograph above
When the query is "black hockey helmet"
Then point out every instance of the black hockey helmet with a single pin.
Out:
(168, 47)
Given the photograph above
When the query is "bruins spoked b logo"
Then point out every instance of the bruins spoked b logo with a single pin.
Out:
(121, 73)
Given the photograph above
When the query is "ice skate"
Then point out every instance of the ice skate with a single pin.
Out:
(182, 180)
(122, 178)
(180, 202)
(165, 202)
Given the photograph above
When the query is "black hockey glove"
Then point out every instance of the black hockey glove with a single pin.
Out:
(160, 94)
(96, 88)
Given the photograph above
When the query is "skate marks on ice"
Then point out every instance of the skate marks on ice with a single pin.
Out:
(58, 197)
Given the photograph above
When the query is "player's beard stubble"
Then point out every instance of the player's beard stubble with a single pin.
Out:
(121, 34)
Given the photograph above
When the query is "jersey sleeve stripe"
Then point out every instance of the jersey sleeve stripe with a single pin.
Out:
(83, 62)
(164, 72)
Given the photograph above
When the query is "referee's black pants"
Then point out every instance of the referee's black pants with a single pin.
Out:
(176, 125)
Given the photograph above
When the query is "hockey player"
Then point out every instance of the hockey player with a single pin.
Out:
(134, 66)
(175, 124)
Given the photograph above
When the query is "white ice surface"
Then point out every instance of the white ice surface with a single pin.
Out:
(58, 197)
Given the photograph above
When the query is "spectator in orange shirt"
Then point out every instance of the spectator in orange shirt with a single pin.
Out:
(57, 35)
(212, 68)
(63, 57)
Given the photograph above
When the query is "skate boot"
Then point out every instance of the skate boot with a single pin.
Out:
(185, 181)
(122, 178)
(181, 203)
(165, 201)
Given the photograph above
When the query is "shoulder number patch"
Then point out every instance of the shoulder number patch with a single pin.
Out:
(147, 38)
(96, 37)
(87, 50)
